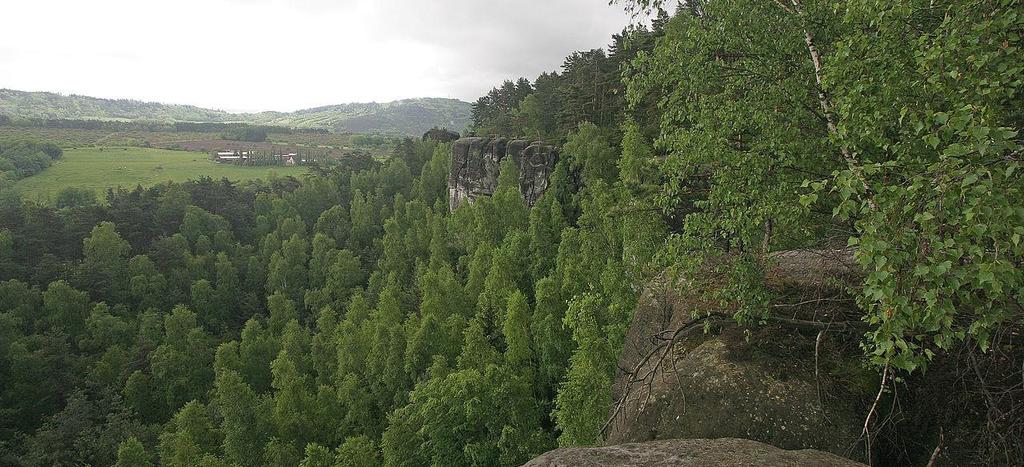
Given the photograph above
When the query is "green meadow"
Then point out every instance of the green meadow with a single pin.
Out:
(100, 168)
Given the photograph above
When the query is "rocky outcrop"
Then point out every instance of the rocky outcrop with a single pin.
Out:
(775, 384)
(535, 162)
(719, 388)
(442, 135)
(469, 178)
(688, 452)
(476, 163)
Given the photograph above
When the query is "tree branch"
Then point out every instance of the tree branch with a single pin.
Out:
(874, 409)
(852, 163)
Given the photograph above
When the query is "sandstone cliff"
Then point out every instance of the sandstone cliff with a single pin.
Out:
(476, 162)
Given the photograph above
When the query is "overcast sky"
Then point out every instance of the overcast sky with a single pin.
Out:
(250, 55)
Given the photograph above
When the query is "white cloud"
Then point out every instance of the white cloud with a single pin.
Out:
(284, 55)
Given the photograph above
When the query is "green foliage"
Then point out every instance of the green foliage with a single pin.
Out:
(131, 453)
(245, 420)
(907, 137)
(497, 426)
(591, 155)
(942, 245)
(516, 331)
(385, 324)
(103, 266)
(86, 431)
(348, 318)
(317, 456)
(190, 437)
(588, 89)
(358, 451)
(20, 158)
(287, 269)
(732, 180)
(182, 365)
(74, 197)
(65, 308)
(585, 397)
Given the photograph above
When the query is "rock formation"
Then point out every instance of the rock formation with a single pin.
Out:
(725, 387)
(688, 452)
(535, 162)
(776, 385)
(442, 135)
(476, 162)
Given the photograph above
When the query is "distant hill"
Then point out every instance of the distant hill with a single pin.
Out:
(50, 105)
(406, 117)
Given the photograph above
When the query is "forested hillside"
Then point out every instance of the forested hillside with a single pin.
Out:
(349, 318)
(48, 105)
(410, 117)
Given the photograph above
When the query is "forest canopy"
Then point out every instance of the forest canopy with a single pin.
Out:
(349, 318)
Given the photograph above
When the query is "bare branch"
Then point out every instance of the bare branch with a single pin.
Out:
(938, 448)
(667, 339)
(817, 373)
(874, 409)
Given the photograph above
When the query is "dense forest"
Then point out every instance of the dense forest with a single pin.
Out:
(348, 318)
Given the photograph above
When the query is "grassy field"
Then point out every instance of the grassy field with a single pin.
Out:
(339, 143)
(100, 168)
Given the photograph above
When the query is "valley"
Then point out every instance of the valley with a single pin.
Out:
(718, 232)
(101, 168)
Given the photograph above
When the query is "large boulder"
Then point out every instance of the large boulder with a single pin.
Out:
(723, 388)
(689, 452)
(774, 384)
(442, 135)
(476, 164)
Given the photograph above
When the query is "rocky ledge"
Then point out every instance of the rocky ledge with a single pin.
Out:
(688, 452)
